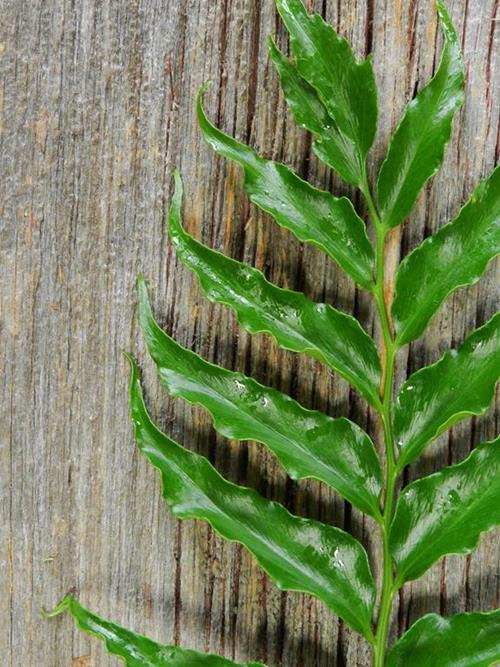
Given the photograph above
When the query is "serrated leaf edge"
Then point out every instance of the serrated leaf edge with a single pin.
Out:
(135, 381)
(148, 320)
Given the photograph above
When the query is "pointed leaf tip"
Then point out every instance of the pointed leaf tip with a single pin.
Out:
(129, 357)
(58, 609)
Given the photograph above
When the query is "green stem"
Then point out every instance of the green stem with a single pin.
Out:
(390, 483)
(390, 349)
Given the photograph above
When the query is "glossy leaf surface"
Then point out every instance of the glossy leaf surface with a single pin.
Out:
(346, 87)
(307, 443)
(445, 513)
(310, 113)
(417, 149)
(464, 640)
(455, 256)
(295, 322)
(136, 650)
(314, 216)
(461, 383)
(298, 554)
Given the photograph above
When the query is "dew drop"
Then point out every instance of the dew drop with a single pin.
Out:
(337, 561)
(166, 653)
(239, 386)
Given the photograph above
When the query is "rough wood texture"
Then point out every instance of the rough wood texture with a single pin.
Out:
(97, 100)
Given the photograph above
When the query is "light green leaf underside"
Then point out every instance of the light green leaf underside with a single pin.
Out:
(346, 88)
(295, 322)
(309, 444)
(445, 513)
(417, 148)
(312, 215)
(309, 112)
(456, 256)
(460, 384)
(136, 650)
(298, 554)
(464, 640)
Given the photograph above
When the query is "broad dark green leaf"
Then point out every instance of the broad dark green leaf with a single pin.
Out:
(346, 87)
(434, 398)
(455, 256)
(313, 215)
(464, 640)
(417, 149)
(136, 650)
(296, 323)
(310, 113)
(308, 443)
(445, 513)
(298, 554)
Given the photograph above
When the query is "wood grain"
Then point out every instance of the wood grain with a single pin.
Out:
(97, 107)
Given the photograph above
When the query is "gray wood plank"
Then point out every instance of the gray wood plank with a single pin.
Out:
(97, 108)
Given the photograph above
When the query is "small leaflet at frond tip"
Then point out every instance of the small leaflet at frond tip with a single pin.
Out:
(346, 88)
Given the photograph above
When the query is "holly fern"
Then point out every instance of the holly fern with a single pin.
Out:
(334, 96)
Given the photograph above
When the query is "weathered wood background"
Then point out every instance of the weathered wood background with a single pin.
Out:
(97, 102)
